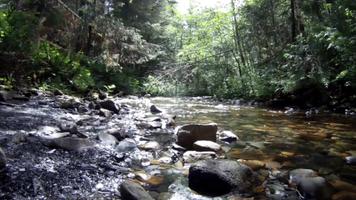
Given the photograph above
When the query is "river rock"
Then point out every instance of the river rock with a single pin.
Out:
(192, 156)
(105, 113)
(317, 136)
(151, 145)
(107, 139)
(2, 160)
(296, 175)
(188, 134)
(68, 127)
(103, 95)
(126, 145)
(118, 133)
(309, 184)
(219, 177)
(228, 136)
(351, 160)
(133, 191)
(110, 105)
(155, 110)
(71, 143)
(150, 125)
(205, 145)
(70, 103)
(314, 188)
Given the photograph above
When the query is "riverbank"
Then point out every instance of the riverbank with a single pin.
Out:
(64, 147)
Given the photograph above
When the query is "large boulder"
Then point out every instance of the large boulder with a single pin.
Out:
(2, 160)
(219, 177)
(188, 134)
(133, 191)
(110, 105)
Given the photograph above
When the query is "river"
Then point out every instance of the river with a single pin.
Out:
(280, 140)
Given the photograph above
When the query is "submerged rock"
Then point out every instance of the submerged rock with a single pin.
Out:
(133, 191)
(205, 145)
(309, 184)
(2, 160)
(188, 134)
(192, 156)
(296, 175)
(219, 177)
(344, 195)
(317, 136)
(314, 187)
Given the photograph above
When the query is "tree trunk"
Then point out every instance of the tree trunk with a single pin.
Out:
(297, 26)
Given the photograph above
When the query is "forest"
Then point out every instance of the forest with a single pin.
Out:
(262, 49)
(178, 99)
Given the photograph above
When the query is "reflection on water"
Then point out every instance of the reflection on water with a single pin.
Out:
(320, 142)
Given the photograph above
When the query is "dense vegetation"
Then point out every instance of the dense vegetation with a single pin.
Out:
(288, 49)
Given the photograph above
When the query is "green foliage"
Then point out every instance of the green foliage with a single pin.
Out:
(248, 51)
(19, 31)
(157, 87)
(4, 26)
(63, 68)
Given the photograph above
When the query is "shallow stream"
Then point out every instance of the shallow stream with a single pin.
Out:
(314, 140)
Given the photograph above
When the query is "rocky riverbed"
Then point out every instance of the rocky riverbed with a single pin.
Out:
(56, 146)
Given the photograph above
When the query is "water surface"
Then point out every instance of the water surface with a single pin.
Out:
(320, 141)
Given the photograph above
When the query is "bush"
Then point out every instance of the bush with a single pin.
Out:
(58, 68)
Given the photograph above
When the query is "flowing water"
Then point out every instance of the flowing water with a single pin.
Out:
(317, 141)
